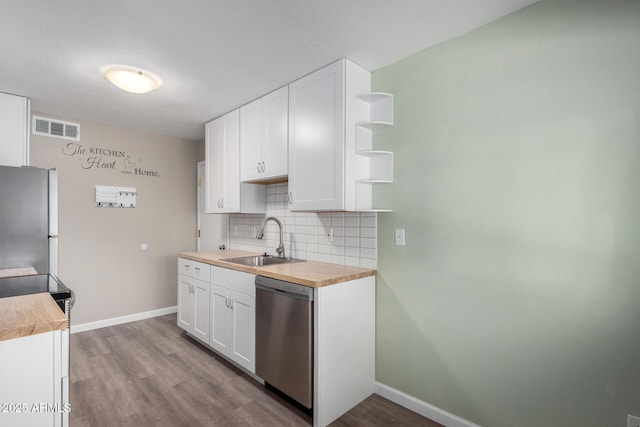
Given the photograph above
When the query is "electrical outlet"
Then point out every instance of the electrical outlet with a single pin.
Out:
(399, 236)
(633, 421)
(328, 237)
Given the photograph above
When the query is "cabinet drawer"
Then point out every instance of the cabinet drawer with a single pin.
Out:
(195, 269)
(238, 281)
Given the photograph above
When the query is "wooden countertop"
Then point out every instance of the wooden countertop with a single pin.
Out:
(26, 315)
(308, 273)
(20, 271)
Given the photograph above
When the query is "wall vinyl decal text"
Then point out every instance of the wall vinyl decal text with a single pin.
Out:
(107, 158)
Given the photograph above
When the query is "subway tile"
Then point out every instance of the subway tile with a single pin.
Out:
(352, 261)
(353, 220)
(368, 221)
(368, 253)
(324, 248)
(312, 247)
(368, 232)
(337, 250)
(352, 241)
(368, 263)
(351, 251)
(324, 257)
(366, 242)
(337, 241)
(337, 259)
(337, 230)
(337, 220)
(352, 232)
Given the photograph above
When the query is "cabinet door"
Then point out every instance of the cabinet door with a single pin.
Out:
(201, 310)
(243, 312)
(316, 140)
(185, 304)
(251, 141)
(220, 319)
(275, 151)
(214, 166)
(14, 130)
(28, 378)
(231, 166)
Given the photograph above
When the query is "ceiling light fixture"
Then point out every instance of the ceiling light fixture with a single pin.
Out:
(131, 79)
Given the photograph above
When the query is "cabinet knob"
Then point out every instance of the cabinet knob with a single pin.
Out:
(258, 167)
(263, 168)
(290, 198)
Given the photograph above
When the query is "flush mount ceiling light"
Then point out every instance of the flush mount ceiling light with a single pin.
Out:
(131, 79)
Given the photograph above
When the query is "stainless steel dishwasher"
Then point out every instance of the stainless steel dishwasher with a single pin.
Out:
(284, 337)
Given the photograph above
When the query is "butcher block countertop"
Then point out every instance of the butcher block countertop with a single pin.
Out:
(308, 273)
(32, 314)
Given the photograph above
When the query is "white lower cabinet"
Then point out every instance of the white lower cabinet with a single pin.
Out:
(233, 316)
(35, 380)
(193, 307)
(193, 298)
(219, 309)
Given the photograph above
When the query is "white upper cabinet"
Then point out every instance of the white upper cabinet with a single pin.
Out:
(316, 140)
(332, 115)
(223, 191)
(263, 137)
(14, 130)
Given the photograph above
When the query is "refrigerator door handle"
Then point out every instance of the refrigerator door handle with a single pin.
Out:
(53, 255)
(53, 203)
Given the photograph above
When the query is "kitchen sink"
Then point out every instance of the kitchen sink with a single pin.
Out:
(261, 260)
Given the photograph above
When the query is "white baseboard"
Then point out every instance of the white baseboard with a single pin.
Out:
(122, 319)
(425, 409)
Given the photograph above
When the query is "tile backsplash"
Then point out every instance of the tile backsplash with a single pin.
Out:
(347, 238)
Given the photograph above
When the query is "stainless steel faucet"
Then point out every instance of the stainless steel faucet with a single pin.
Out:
(260, 234)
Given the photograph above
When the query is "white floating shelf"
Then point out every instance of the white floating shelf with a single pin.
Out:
(376, 181)
(380, 107)
(374, 125)
(374, 153)
(375, 210)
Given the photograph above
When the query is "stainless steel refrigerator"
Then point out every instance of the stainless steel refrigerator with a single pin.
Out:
(29, 219)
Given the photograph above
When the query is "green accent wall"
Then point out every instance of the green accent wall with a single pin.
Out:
(516, 300)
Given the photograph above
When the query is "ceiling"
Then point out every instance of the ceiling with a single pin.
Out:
(212, 55)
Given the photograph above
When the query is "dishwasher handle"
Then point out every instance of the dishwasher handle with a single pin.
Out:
(288, 289)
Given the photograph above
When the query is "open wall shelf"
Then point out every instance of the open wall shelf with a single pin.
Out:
(375, 166)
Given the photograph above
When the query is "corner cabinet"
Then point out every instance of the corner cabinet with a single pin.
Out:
(332, 116)
(223, 191)
(14, 130)
(263, 138)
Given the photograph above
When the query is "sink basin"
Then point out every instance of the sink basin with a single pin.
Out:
(261, 260)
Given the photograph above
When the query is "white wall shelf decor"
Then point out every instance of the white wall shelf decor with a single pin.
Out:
(115, 197)
(379, 110)
(374, 166)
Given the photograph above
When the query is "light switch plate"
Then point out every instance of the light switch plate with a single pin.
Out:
(399, 236)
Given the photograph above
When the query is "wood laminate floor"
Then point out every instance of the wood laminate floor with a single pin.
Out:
(149, 373)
